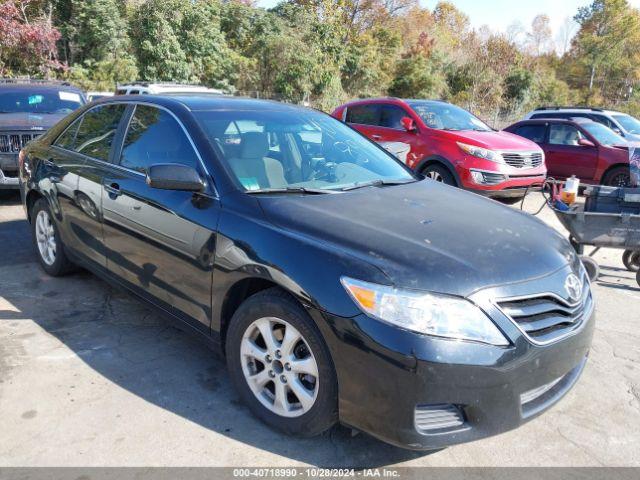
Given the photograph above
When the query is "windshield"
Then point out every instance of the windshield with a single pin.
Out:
(444, 116)
(604, 135)
(297, 150)
(34, 101)
(630, 124)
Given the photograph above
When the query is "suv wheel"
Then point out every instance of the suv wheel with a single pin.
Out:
(280, 365)
(439, 173)
(46, 240)
(617, 177)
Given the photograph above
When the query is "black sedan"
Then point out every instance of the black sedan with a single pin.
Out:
(340, 287)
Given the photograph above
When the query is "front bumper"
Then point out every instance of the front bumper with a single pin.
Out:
(385, 374)
(9, 172)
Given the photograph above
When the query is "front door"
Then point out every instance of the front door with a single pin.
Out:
(159, 242)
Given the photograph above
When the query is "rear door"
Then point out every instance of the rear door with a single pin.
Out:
(82, 152)
(160, 243)
(566, 156)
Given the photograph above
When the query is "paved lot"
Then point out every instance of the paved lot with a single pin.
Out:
(89, 376)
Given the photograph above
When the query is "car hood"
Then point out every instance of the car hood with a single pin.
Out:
(29, 121)
(496, 140)
(426, 235)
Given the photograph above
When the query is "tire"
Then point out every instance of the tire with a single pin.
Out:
(439, 173)
(510, 200)
(248, 357)
(631, 260)
(591, 266)
(44, 234)
(617, 177)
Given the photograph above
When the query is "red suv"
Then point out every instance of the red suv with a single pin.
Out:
(450, 145)
(581, 147)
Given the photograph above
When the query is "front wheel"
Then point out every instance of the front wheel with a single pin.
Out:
(280, 365)
(511, 200)
(440, 174)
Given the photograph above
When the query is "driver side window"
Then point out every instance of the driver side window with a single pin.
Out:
(153, 137)
(560, 134)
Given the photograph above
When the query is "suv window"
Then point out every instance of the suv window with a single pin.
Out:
(535, 133)
(604, 121)
(95, 132)
(391, 115)
(363, 114)
(153, 137)
(562, 134)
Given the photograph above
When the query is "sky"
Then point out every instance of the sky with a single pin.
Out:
(499, 14)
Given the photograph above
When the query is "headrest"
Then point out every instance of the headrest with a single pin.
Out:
(254, 145)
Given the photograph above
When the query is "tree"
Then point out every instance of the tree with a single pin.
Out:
(27, 44)
(606, 27)
(540, 37)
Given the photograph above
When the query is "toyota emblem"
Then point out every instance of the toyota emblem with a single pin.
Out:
(573, 287)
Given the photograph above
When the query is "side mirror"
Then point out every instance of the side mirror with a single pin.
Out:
(617, 130)
(583, 142)
(408, 124)
(173, 176)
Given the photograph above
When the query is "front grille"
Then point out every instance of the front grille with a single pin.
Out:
(13, 142)
(523, 159)
(438, 417)
(546, 318)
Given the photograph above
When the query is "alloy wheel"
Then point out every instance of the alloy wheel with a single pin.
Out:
(434, 175)
(279, 367)
(620, 180)
(45, 237)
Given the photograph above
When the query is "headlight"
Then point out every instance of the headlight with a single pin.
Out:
(423, 312)
(481, 152)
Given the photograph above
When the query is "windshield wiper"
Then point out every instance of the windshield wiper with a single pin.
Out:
(311, 191)
(376, 183)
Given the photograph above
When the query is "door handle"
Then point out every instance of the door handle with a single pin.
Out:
(113, 189)
(376, 137)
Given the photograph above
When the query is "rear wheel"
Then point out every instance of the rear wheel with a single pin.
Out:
(47, 242)
(631, 260)
(617, 177)
(280, 365)
(439, 173)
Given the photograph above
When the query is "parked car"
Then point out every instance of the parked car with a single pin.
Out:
(621, 123)
(27, 109)
(340, 287)
(581, 147)
(146, 88)
(91, 96)
(450, 145)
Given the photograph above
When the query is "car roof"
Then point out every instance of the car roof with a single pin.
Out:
(39, 87)
(576, 120)
(575, 110)
(206, 102)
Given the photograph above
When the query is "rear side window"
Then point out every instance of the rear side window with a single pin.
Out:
(95, 132)
(535, 133)
(363, 114)
(154, 136)
(391, 115)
